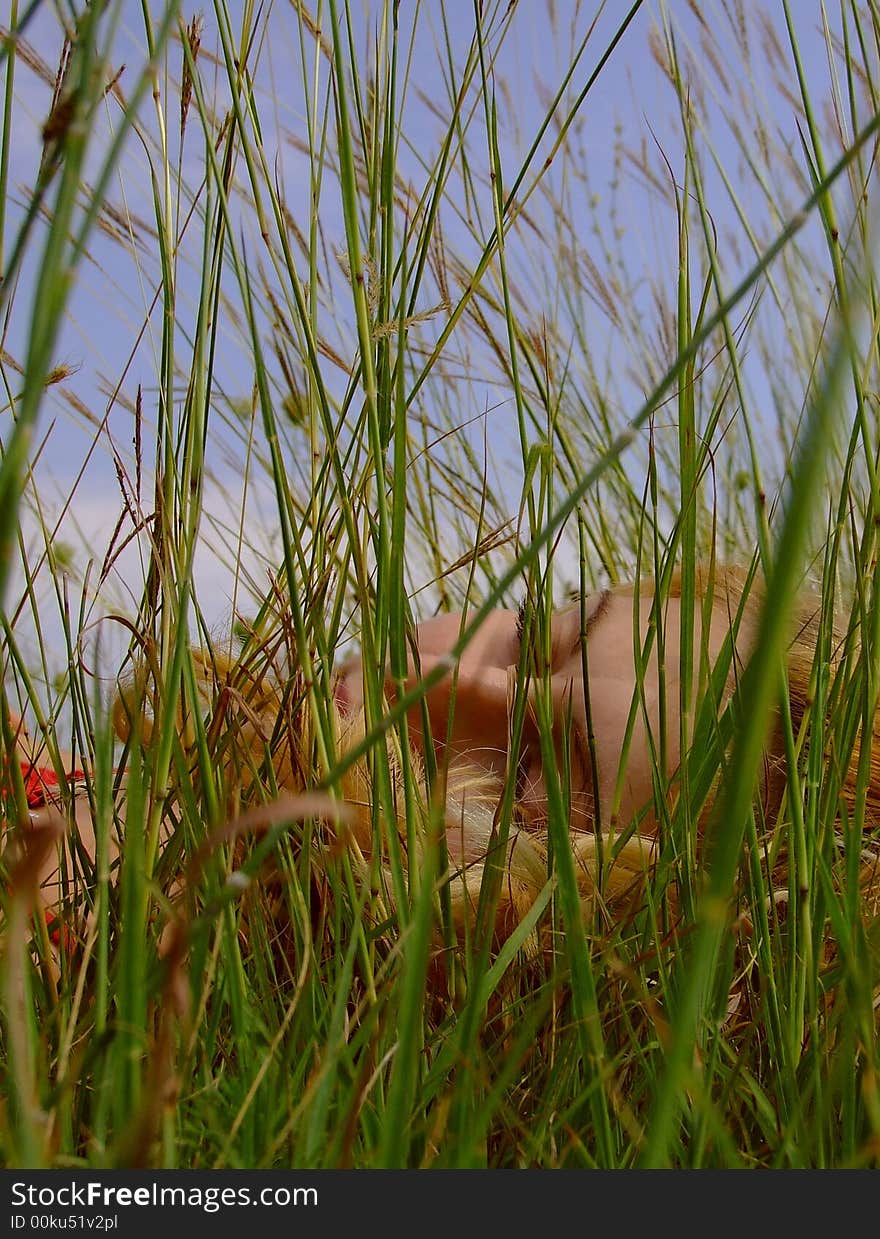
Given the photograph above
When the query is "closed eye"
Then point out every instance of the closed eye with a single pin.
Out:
(533, 660)
(558, 655)
(521, 620)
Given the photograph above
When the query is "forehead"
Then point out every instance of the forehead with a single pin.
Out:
(496, 643)
(493, 644)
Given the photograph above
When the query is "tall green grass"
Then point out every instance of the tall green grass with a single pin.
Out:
(394, 352)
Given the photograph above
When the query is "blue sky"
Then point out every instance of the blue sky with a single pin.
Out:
(631, 113)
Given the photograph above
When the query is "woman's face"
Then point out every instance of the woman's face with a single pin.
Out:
(484, 694)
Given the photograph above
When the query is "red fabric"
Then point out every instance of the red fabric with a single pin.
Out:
(39, 779)
(60, 935)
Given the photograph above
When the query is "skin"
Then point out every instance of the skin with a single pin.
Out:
(51, 818)
(485, 686)
(486, 680)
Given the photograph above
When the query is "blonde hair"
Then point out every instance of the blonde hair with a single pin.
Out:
(611, 867)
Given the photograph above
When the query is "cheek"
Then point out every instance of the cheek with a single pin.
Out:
(634, 772)
(610, 699)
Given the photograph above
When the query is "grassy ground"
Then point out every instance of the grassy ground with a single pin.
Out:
(675, 365)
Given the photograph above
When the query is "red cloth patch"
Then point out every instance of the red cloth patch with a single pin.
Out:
(39, 783)
(60, 935)
(39, 779)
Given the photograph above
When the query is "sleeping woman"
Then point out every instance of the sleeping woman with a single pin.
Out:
(599, 725)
